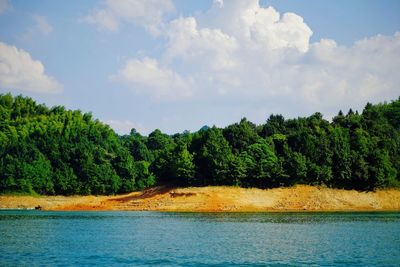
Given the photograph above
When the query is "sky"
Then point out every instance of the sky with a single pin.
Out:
(180, 65)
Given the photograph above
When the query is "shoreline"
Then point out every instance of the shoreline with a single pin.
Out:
(194, 211)
(300, 198)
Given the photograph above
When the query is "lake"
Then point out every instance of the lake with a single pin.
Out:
(198, 239)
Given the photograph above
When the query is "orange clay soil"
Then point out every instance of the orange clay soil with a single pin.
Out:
(219, 199)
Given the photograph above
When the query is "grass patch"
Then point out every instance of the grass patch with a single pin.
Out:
(19, 194)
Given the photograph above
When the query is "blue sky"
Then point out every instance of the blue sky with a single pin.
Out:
(179, 65)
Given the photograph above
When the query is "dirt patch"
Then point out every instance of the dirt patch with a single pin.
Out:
(175, 194)
(219, 199)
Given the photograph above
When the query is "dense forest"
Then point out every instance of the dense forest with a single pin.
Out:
(57, 151)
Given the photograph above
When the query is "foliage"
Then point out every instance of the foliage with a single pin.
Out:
(57, 151)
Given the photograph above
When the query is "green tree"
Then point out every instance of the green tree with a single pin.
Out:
(262, 165)
(341, 156)
(145, 178)
(213, 158)
(240, 135)
(182, 166)
(59, 151)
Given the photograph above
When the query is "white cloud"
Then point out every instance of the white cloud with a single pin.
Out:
(258, 27)
(41, 27)
(147, 13)
(211, 49)
(146, 76)
(125, 126)
(219, 3)
(4, 6)
(19, 71)
(240, 53)
(103, 19)
(366, 71)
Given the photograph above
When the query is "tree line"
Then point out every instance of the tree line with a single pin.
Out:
(58, 151)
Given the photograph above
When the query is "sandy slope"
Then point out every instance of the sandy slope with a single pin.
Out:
(215, 199)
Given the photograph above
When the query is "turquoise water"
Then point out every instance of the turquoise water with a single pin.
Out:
(196, 239)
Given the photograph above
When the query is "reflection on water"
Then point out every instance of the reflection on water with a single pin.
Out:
(193, 239)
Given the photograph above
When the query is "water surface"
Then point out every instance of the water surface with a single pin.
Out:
(198, 239)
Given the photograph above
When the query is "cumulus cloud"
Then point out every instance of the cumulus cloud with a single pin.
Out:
(363, 72)
(146, 76)
(4, 6)
(211, 49)
(19, 71)
(240, 52)
(148, 14)
(257, 27)
(125, 126)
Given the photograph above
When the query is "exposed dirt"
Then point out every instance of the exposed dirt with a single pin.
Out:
(219, 199)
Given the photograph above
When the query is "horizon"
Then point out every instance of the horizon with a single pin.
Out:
(178, 65)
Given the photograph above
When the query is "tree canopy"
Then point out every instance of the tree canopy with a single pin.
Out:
(58, 151)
